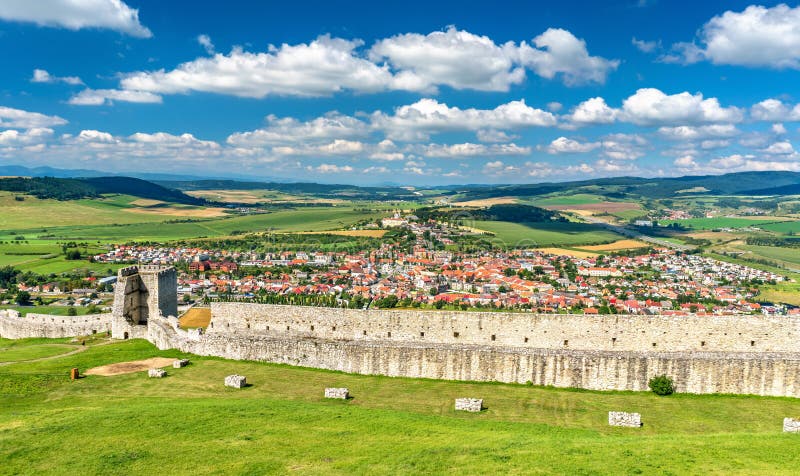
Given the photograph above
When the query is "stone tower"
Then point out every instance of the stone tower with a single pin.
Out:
(142, 292)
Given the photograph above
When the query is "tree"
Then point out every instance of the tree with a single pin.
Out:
(72, 311)
(73, 255)
(661, 385)
(23, 298)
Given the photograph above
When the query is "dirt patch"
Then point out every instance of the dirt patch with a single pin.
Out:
(565, 252)
(181, 212)
(617, 245)
(602, 207)
(146, 202)
(486, 202)
(195, 317)
(123, 368)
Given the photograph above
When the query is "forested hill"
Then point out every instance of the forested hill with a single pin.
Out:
(77, 188)
(353, 192)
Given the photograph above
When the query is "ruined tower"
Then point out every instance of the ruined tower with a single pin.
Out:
(142, 292)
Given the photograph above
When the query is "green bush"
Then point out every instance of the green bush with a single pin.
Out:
(661, 385)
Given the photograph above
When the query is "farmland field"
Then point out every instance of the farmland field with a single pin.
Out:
(131, 424)
(723, 222)
(544, 234)
(785, 227)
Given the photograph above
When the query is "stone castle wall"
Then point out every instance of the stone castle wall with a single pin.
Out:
(617, 333)
(14, 326)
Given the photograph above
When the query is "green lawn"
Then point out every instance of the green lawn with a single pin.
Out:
(788, 256)
(784, 227)
(188, 423)
(54, 310)
(577, 199)
(546, 234)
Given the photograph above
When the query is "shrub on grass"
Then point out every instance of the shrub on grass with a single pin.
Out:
(661, 385)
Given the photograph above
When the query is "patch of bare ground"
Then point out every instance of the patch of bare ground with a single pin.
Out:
(123, 368)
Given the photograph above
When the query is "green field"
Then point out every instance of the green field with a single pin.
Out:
(54, 310)
(577, 199)
(546, 234)
(189, 423)
(721, 222)
(784, 227)
(45, 256)
(787, 256)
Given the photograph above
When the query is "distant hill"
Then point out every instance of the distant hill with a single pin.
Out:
(793, 189)
(77, 188)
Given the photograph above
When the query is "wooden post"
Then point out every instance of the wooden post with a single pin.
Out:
(74, 374)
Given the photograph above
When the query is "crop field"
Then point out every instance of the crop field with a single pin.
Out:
(53, 310)
(546, 234)
(559, 200)
(43, 256)
(785, 227)
(789, 256)
(281, 424)
(724, 222)
(304, 219)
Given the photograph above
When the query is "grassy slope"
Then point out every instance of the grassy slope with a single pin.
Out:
(722, 222)
(545, 234)
(188, 423)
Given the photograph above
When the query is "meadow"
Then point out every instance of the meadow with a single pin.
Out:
(546, 234)
(724, 222)
(189, 423)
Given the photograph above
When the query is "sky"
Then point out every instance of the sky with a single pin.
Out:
(401, 92)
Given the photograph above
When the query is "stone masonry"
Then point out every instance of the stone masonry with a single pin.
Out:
(141, 293)
(341, 393)
(791, 425)
(236, 381)
(469, 404)
(156, 373)
(633, 420)
(180, 363)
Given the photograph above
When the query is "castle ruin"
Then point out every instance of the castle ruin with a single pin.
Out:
(743, 354)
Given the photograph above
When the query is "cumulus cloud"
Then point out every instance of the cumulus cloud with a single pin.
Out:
(427, 116)
(562, 145)
(493, 135)
(593, 111)
(290, 130)
(559, 52)
(19, 119)
(757, 36)
(42, 76)
(459, 59)
(685, 163)
(649, 106)
(468, 149)
(76, 14)
(645, 46)
(319, 68)
(698, 132)
(99, 97)
(406, 62)
(15, 138)
(774, 110)
(780, 148)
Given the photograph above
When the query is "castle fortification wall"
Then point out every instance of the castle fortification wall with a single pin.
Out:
(617, 333)
(14, 326)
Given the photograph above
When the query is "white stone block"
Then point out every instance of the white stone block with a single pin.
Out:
(236, 381)
(180, 363)
(341, 393)
(791, 425)
(469, 404)
(156, 373)
(633, 420)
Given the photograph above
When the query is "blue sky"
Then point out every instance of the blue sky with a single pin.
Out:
(403, 92)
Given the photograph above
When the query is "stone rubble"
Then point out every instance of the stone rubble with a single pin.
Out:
(180, 363)
(791, 425)
(469, 404)
(236, 381)
(156, 373)
(341, 393)
(633, 420)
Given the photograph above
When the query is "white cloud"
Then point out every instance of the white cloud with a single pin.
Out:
(19, 119)
(778, 129)
(289, 130)
(428, 116)
(558, 51)
(645, 46)
(623, 147)
(698, 132)
(649, 106)
(685, 163)
(42, 76)
(780, 148)
(99, 97)
(468, 149)
(91, 135)
(493, 135)
(206, 43)
(330, 169)
(562, 145)
(320, 68)
(593, 111)
(774, 110)
(757, 36)
(455, 58)
(13, 138)
(76, 14)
